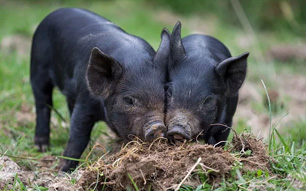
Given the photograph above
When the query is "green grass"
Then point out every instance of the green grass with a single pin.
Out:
(296, 132)
(287, 164)
(136, 17)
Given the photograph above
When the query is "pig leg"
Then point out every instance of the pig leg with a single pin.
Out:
(42, 89)
(82, 122)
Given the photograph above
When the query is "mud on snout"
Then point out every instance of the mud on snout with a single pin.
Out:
(182, 125)
(153, 127)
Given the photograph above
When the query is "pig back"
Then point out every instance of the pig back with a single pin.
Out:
(64, 40)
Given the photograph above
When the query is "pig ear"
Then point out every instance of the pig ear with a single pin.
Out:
(102, 72)
(177, 49)
(233, 71)
(162, 54)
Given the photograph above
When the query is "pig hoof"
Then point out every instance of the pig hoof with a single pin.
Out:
(67, 166)
(42, 143)
(61, 174)
(155, 131)
(65, 169)
(42, 148)
(178, 133)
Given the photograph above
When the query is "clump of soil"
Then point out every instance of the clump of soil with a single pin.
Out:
(162, 166)
(252, 152)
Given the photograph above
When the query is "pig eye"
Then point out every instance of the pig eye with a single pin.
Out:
(129, 100)
(209, 103)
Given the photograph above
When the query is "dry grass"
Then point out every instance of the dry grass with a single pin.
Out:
(162, 166)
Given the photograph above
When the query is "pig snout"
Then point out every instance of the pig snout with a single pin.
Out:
(179, 133)
(155, 130)
(181, 125)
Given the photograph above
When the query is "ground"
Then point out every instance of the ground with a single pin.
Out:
(143, 164)
(276, 58)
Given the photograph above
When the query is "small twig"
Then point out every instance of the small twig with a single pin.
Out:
(227, 127)
(258, 134)
(201, 133)
(248, 160)
(131, 143)
(159, 138)
(221, 142)
(188, 174)
(236, 135)
(117, 161)
(134, 138)
(93, 148)
(145, 181)
(242, 151)
(203, 165)
(219, 124)
(102, 157)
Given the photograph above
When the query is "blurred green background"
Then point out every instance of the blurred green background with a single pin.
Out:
(272, 31)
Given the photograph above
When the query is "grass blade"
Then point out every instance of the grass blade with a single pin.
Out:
(74, 159)
(270, 115)
(282, 140)
(134, 184)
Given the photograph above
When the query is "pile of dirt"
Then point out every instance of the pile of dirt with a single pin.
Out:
(252, 152)
(164, 166)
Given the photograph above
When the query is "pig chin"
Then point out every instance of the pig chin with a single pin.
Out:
(182, 124)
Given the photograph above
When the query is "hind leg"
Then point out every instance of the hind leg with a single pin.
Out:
(42, 89)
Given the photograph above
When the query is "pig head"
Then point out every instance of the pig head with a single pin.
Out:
(202, 89)
(133, 94)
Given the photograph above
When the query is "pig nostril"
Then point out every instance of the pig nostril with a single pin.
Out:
(178, 137)
(155, 131)
(178, 133)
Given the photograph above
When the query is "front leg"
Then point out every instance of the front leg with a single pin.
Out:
(82, 121)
